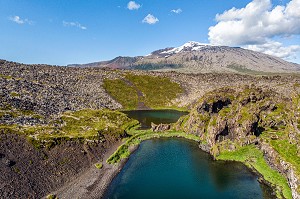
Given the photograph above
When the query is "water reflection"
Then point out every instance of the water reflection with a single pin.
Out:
(177, 168)
(145, 117)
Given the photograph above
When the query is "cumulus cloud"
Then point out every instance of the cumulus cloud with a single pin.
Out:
(276, 49)
(150, 19)
(256, 24)
(20, 21)
(74, 24)
(132, 5)
(177, 11)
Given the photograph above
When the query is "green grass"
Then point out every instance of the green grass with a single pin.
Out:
(158, 92)
(288, 151)
(122, 92)
(253, 158)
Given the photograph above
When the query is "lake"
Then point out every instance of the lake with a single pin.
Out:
(176, 168)
(145, 117)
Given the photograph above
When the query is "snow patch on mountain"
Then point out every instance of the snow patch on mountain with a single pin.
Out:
(189, 46)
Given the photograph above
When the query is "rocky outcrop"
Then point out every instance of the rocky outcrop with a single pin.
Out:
(230, 118)
(285, 168)
(160, 127)
(230, 114)
(50, 90)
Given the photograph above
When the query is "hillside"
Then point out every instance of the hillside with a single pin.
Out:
(194, 57)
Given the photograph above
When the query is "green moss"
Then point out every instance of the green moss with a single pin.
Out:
(253, 158)
(99, 165)
(213, 121)
(16, 170)
(122, 92)
(92, 123)
(288, 151)
(5, 76)
(14, 94)
(51, 196)
(156, 92)
(245, 114)
(79, 125)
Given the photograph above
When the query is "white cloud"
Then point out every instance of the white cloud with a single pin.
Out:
(132, 5)
(150, 19)
(177, 11)
(276, 49)
(20, 21)
(74, 24)
(256, 24)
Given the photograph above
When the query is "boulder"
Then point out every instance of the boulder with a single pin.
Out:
(160, 127)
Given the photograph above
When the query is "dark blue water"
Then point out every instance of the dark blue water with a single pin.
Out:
(145, 117)
(177, 168)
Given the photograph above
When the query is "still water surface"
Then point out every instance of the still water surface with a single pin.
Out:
(145, 117)
(176, 168)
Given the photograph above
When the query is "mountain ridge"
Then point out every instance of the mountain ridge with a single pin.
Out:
(195, 57)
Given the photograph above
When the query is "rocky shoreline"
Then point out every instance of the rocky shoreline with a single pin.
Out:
(93, 183)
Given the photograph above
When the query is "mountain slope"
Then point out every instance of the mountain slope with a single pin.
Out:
(194, 57)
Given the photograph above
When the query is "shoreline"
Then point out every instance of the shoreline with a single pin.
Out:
(94, 182)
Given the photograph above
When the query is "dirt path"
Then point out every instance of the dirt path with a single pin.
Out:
(93, 182)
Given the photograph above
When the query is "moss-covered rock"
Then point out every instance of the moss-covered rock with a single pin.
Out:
(228, 119)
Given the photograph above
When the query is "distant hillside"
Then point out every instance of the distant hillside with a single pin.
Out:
(194, 57)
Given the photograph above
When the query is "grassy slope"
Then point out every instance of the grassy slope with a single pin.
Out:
(157, 91)
(123, 93)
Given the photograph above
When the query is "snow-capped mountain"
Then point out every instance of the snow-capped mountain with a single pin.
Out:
(187, 47)
(195, 57)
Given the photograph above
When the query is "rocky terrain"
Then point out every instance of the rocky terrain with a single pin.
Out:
(229, 119)
(30, 173)
(194, 57)
(55, 122)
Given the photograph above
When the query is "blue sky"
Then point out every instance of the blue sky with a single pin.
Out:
(79, 31)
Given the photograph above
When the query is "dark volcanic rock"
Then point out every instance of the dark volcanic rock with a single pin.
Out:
(27, 172)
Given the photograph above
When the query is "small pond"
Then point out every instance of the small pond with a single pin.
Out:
(145, 117)
(176, 168)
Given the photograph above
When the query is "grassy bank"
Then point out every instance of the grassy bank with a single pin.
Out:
(253, 158)
(139, 136)
(249, 155)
